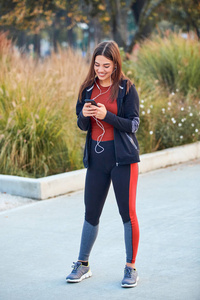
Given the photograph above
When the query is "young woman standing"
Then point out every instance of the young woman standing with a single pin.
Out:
(108, 109)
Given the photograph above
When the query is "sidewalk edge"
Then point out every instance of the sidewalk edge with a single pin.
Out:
(55, 185)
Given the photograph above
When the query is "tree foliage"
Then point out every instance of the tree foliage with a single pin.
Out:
(36, 15)
(110, 15)
(185, 13)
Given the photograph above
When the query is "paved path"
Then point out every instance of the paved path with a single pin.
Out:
(39, 242)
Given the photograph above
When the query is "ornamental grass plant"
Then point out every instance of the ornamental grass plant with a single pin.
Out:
(38, 132)
(166, 75)
(171, 62)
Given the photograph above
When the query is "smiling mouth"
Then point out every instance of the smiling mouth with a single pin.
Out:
(101, 74)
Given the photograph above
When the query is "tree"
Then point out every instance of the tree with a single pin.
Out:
(30, 16)
(143, 11)
(34, 16)
(108, 17)
(184, 13)
(147, 13)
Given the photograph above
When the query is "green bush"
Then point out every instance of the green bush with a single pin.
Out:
(171, 62)
(166, 74)
(167, 121)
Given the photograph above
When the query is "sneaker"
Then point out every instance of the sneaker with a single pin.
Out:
(130, 277)
(79, 272)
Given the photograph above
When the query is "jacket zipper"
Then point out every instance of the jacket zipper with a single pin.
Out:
(119, 107)
(131, 140)
(117, 164)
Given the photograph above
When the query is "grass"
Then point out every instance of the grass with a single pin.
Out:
(166, 74)
(38, 131)
(171, 62)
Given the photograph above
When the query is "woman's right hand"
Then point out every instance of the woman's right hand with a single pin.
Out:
(89, 110)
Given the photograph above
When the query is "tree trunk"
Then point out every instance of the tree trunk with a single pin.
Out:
(141, 13)
(191, 19)
(21, 41)
(55, 39)
(70, 37)
(134, 40)
(37, 45)
(70, 34)
(136, 8)
(97, 31)
(118, 21)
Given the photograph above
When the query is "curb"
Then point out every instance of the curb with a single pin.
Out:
(55, 185)
(168, 157)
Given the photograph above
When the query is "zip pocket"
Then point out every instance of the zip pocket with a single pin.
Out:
(131, 140)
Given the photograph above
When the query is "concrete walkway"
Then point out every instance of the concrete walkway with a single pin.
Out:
(39, 242)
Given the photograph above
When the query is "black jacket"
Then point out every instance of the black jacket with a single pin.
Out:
(125, 123)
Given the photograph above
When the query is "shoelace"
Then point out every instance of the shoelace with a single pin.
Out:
(128, 272)
(75, 266)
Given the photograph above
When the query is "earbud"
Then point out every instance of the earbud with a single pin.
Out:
(114, 69)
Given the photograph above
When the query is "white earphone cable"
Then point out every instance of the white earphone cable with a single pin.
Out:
(100, 137)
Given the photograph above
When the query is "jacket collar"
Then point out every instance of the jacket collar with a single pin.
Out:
(121, 86)
(121, 93)
(90, 88)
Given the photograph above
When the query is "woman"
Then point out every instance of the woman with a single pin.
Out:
(108, 109)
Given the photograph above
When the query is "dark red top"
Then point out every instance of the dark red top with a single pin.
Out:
(110, 106)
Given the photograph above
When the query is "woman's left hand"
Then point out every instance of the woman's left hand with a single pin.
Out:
(101, 111)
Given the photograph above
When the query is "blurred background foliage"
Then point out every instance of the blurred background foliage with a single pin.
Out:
(83, 23)
(166, 73)
(159, 44)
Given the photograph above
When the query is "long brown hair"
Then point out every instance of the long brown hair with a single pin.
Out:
(110, 50)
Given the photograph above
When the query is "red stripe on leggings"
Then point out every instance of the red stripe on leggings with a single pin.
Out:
(132, 209)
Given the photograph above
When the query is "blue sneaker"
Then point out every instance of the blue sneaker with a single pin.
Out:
(79, 272)
(130, 277)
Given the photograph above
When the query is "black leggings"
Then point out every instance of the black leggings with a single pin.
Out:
(102, 169)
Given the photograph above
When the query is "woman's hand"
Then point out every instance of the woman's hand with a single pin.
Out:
(89, 110)
(101, 111)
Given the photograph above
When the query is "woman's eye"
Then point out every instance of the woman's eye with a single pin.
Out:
(97, 66)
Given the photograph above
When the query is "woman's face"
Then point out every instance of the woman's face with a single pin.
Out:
(103, 68)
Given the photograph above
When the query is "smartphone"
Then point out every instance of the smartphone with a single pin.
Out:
(91, 101)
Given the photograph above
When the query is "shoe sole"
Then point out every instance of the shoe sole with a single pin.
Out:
(84, 276)
(130, 285)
